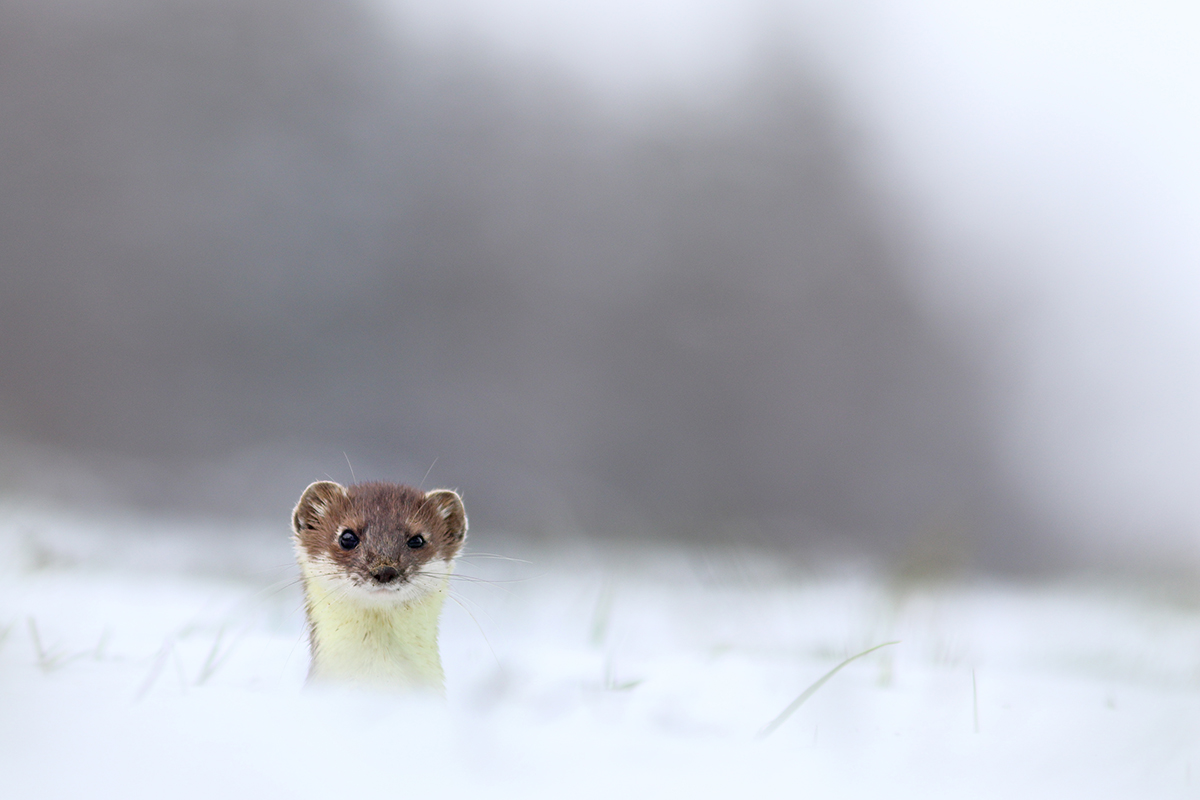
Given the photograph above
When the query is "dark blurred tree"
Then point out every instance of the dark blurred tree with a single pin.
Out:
(228, 224)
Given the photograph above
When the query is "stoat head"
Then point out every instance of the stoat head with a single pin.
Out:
(378, 543)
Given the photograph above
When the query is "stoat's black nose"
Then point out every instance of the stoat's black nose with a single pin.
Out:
(386, 575)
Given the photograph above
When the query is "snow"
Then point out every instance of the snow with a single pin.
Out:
(144, 658)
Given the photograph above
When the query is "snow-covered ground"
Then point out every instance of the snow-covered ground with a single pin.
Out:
(142, 662)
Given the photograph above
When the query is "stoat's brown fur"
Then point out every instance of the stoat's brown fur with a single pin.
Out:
(373, 597)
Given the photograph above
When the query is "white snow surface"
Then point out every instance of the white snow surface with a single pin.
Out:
(139, 659)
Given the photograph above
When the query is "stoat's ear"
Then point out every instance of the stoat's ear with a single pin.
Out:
(316, 501)
(448, 505)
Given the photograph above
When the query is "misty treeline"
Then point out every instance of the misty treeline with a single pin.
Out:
(282, 226)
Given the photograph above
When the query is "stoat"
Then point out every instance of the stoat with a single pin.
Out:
(375, 560)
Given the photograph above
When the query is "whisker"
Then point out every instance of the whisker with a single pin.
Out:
(487, 641)
(507, 580)
(474, 604)
(296, 644)
(469, 579)
(273, 589)
(478, 579)
(422, 483)
(494, 555)
(273, 568)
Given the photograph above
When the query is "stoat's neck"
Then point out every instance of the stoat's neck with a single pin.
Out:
(380, 645)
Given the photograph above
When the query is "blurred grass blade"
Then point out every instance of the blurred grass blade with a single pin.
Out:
(811, 690)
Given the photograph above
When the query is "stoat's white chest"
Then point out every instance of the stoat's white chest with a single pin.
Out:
(378, 640)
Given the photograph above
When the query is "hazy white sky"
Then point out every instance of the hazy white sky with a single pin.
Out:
(1043, 152)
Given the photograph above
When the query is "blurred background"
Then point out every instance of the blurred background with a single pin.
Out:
(913, 282)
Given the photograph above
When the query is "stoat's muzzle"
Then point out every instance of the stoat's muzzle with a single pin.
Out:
(386, 574)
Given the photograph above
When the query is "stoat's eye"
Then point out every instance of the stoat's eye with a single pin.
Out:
(348, 539)
(416, 542)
